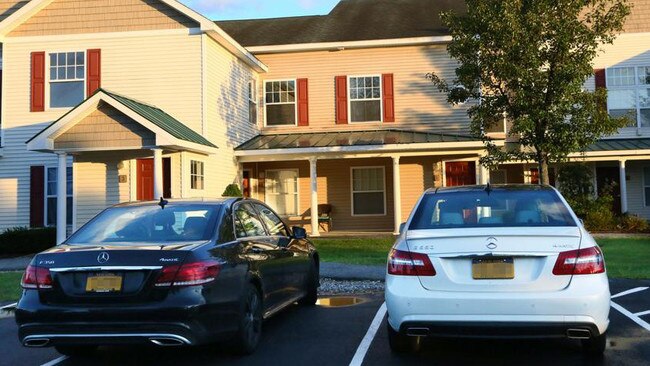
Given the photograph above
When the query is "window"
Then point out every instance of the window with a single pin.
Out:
(368, 191)
(273, 223)
(280, 99)
(646, 186)
(252, 101)
(629, 94)
(365, 99)
(247, 224)
(50, 198)
(281, 191)
(196, 175)
(67, 79)
(499, 176)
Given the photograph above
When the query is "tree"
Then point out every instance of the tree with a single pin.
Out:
(527, 61)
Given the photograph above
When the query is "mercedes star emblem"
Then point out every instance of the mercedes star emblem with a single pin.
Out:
(491, 243)
(103, 257)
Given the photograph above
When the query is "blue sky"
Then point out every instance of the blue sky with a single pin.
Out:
(248, 9)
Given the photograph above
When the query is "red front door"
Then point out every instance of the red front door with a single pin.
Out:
(144, 179)
(246, 184)
(460, 173)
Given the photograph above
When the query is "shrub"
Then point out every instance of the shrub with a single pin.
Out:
(633, 224)
(232, 191)
(600, 214)
(576, 185)
(22, 240)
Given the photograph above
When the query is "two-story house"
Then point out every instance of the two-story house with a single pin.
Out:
(107, 101)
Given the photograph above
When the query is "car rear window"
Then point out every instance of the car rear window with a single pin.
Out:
(149, 224)
(496, 208)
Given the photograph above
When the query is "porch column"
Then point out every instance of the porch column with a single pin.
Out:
(397, 195)
(621, 168)
(313, 176)
(61, 198)
(157, 174)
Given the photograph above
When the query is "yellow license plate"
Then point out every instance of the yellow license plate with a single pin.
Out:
(493, 268)
(104, 283)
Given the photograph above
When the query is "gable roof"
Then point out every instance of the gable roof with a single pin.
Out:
(150, 116)
(20, 11)
(350, 20)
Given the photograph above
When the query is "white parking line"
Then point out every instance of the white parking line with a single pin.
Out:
(56, 361)
(633, 317)
(10, 306)
(643, 313)
(357, 360)
(630, 291)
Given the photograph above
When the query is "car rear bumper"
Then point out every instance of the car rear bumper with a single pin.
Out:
(584, 304)
(507, 330)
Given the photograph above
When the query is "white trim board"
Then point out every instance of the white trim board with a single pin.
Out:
(339, 46)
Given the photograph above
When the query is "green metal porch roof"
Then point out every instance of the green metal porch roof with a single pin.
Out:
(620, 144)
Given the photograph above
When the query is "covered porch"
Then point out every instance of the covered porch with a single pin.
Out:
(365, 181)
(118, 150)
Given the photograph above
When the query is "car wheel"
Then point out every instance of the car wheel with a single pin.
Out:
(311, 287)
(250, 324)
(81, 351)
(399, 343)
(595, 347)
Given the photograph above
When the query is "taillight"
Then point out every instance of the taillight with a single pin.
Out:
(190, 274)
(403, 263)
(36, 278)
(580, 262)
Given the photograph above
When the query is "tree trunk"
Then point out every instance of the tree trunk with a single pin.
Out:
(543, 171)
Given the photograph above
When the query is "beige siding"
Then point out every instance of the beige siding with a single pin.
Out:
(417, 175)
(418, 105)
(106, 127)
(95, 16)
(96, 188)
(637, 21)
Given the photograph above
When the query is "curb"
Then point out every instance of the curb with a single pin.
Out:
(352, 272)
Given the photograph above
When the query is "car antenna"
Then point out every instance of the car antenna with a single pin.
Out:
(163, 202)
(488, 188)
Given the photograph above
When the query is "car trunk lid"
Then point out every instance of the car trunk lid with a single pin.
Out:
(532, 250)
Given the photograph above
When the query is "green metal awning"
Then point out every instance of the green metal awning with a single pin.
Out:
(348, 139)
(620, 145)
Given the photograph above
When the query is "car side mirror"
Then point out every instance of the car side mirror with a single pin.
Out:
(402, 226)
(299, 233)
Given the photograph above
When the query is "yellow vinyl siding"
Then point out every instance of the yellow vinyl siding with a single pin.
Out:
(418, 105)
(95, 16)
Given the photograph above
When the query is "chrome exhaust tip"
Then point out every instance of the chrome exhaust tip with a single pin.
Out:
(578, 334)
(417, 332)
(36, 342)
(167, 342)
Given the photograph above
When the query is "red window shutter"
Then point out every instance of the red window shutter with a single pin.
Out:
(37, 196)
(0, 95)
(38, 82)
(303, 102)
(341, 100)
(601, 81)
(93, 71)
(389, 97)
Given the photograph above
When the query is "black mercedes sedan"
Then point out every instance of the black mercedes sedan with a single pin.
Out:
(172, 273)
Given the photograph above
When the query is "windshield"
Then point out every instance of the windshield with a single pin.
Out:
(144, 224)
(498, 208)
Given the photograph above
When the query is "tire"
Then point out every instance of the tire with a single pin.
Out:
(80, 351)
(311, 287)
(595, 347)
(399, 343)
(250, 322)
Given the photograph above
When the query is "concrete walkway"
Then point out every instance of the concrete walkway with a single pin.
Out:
(340, 271)
(15, 264)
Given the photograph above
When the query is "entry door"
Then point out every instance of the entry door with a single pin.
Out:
(144, 179)
(246, 184)
(608, 180)
(460, 173)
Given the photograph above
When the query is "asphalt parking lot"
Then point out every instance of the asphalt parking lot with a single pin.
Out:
(344, 335)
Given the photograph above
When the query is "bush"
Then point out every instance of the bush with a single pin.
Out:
(576, 185)
(232, 191)
(22, 241)
(600, 214)
(633, 224)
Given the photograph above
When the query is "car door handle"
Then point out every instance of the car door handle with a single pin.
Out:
(257, 250)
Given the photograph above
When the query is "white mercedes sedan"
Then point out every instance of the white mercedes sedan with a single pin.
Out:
(509, 261)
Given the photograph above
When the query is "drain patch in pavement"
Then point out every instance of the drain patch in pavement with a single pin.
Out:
(340, 301)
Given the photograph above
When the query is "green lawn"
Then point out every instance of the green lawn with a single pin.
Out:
(10, 286)
(625, 258)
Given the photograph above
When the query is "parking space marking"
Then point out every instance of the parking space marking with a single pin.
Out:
(630, 291)
(633, 317)
(357, 360)
(643, 313)
(10, 306)
(56, 361)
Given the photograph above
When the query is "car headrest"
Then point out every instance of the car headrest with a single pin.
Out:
(451, 218)
(164, 218)
(195, 226)
(490, 220)
(528, 217)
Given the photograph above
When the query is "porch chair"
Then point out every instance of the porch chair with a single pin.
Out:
(325, 216)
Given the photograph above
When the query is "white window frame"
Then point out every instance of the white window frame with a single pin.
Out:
(197, 175)
(352, 191)
(637, 86)
(48, 196)
(295, 103)
(381, 98)
(49, 80)
(646, 184)
(296, 194)
(253, 98)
